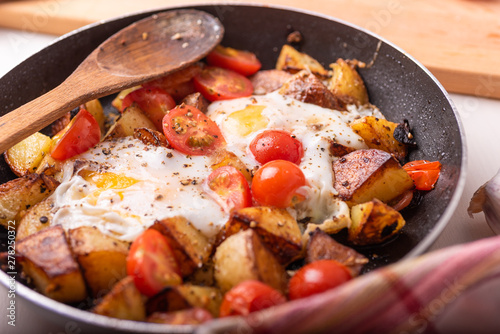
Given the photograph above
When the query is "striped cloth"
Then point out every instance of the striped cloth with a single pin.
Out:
(454, 290)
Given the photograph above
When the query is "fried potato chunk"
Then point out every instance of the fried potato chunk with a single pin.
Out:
(25, 157)
(363, 175)
(346, 83)
(243, 257)
(374, 222)
(47, 259)
(293, 61)
(101, 257)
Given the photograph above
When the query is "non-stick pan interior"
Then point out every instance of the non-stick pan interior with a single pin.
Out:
(399, 86)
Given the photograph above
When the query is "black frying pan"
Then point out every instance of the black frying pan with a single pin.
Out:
(396, 83)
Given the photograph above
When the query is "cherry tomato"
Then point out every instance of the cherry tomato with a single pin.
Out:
(216, 83)
(423, 173)
(191, 132)
(81, 134)
(249, 296)
(154, 101)
(229, 188)
(242, 62)
(152, 264)
(317, 277)
(276, 145)
(277, 184)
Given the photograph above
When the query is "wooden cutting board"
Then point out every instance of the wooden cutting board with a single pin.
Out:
(457, 40)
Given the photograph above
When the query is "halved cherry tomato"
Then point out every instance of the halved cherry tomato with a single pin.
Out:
(191, 132)
(276, 145)
(423, 173)
(317, 277)
(154, 101)
(152, 264)
(249, 296)
(216, 83)
(81, 134)
(240, 61)
(277, 184)
(229, 188)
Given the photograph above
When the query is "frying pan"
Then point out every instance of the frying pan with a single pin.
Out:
(400, 86)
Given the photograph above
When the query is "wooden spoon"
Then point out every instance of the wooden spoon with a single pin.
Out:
(145, 50)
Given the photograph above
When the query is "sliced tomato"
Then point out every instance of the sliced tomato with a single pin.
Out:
(276, 145)
(152, 264)
(278, 184)
(249, 296)
(82, 133)
(191, 132)
(154, 101)
(216, 83)
(240, 61)
(317, 277)
(228, 187)
(423, 173)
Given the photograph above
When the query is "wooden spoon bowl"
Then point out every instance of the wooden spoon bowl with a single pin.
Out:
(143, 51)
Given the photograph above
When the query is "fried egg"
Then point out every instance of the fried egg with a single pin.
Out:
(123, 186)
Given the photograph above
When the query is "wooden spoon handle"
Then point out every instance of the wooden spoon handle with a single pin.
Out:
(37, 114)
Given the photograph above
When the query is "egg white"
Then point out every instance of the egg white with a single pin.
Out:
(169, 183)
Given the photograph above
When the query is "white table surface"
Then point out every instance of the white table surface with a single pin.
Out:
(480, 118)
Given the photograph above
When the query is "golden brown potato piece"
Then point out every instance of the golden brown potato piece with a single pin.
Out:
(243, 257)
(18, 195)
(191, 248)
(323, 247)
(374, 222)
(225, 158)
(379, 133)
(277, 229)
(196, 100)
(363, 175)
(47, 259)
(37, 218)
(95, 108)
(346, 83)
(306, 87)
(118, 100)
(268, 81)
(131, 118)
(25, 157)
(151, 137)
(192, 316)
(339, 150)
(180, 297)
(293, 61)
(124, 301)
(102, 258)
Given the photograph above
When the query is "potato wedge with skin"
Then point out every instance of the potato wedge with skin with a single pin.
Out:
(363, 175)
(191, 248)
(242, 257)
(321, 246)
(36, 219)
(47, 259)
(101, 257)
(346, 83)
(293, 61)
(186, 296)
(378, 133)
(131, 118)
(306, 87)
(278, 230)
(25, 157)
(18, 195)
(124, 301)
(374, 222)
